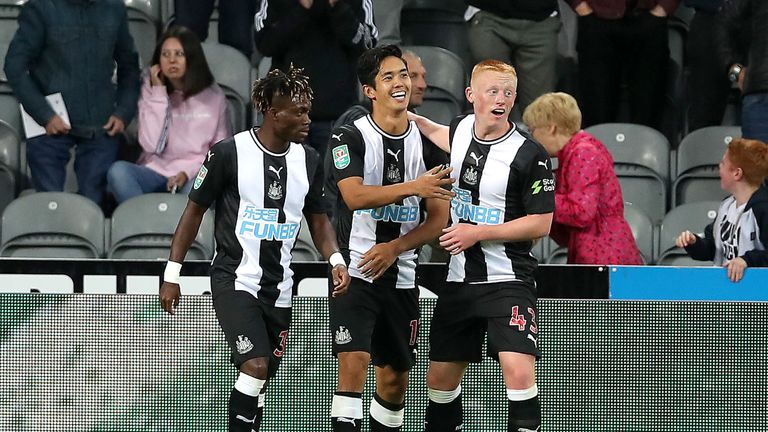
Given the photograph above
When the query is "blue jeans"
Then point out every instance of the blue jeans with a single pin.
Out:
(126, 180)
(754, 116)
(48, 155)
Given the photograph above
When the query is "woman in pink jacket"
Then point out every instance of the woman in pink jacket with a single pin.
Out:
(182, 113)
(589, 209)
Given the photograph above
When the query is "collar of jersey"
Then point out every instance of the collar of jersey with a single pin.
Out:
(379, 130)
(497, 140)
(263, 147)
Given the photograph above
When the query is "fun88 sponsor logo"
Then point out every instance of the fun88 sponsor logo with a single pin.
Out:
(393, 213)
(262, 224)
(462, 206)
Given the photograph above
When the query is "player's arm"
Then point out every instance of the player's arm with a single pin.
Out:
(429, 185)
(436, 132)
(380, 257)
(185, 234)
(462, 236)
(324, 237)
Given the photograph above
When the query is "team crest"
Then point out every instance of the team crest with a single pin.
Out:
(393, 174)
(470, 176)
(341, 156)
(200, 177)
(243, 344)
(343, 336)
(275, 191)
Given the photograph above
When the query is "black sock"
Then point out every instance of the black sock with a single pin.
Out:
(383, 413)
(242, 412)
(525, 415)
(444, 417)
(259, 410)
(347, 412)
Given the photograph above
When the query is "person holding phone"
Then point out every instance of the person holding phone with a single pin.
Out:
(182, 113)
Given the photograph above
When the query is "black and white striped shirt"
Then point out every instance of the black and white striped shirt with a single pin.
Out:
(496, 181)
(363, 150)
(260, 198)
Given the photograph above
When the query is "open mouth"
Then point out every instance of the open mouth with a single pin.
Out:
(399, 96)
(498, 112)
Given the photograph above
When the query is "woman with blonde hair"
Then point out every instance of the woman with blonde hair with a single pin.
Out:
(589, 208)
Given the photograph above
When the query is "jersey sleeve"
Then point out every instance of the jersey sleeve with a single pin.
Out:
(217, 171)
(538, 183)
(315, 201)
(347, 153)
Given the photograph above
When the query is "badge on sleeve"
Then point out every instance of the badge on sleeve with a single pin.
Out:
(200, 177)
(341, 156)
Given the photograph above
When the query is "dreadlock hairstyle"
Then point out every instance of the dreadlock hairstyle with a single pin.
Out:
(292, 83)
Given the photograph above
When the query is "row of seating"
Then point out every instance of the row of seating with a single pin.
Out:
(63, 225)
(655, 241)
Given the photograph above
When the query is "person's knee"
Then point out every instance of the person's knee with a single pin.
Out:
(256, 367)
(519, 375)
(391, 384)
(353, 368)
(118, 172)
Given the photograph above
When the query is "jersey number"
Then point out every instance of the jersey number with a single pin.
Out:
(519, 320)
(281, 349)
(414, 332)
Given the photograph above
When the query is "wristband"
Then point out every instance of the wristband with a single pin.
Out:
(336, 259)
(172, 272)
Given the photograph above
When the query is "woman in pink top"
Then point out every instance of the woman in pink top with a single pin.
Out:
(182, 113)
(589, 209)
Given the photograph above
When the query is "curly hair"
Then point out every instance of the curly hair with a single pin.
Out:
(293, 83)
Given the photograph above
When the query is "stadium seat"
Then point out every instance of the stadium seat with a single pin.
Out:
(144, 23)
(435, 23)
(698, 157)
(143, 226)
(304, 248)
(693, 217)
(9, 164)
(642, 231)
(446, 79)
(232, 71)
(52, 225)
(641, 161)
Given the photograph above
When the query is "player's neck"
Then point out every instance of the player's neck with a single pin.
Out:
(391, 122)
(271, 141)
(490, 132)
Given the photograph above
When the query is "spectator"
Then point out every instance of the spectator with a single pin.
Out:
(523, 33)
(623, 38)
(235, 21)
(71, 47)
(325, 38)
(589, 209)
(182, 113)
(739, 234)
(708, 86)
(750, 72)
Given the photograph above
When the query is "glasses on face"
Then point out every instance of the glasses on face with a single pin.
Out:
(172, 53)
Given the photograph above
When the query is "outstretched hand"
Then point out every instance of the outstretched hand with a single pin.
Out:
(430, 184)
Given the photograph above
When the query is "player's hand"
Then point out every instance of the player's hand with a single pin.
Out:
(114, 125)
(735, 268)
(430, 184)
(179, 180)
(170, 294)
(377, 260)
(307, 4)
(686, 238)
(458, 238)
(340, 280)
(56, 126)
(658, 11)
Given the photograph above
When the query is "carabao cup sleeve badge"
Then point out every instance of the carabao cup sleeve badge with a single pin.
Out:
(341, 156)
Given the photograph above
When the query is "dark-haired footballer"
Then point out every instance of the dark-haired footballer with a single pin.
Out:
(262, 181)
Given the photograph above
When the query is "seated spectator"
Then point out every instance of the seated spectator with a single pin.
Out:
(182, 113)
(739, 234)
(589, 208)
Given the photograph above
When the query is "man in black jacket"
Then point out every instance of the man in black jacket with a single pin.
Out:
(325, 38)
(750, 72)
